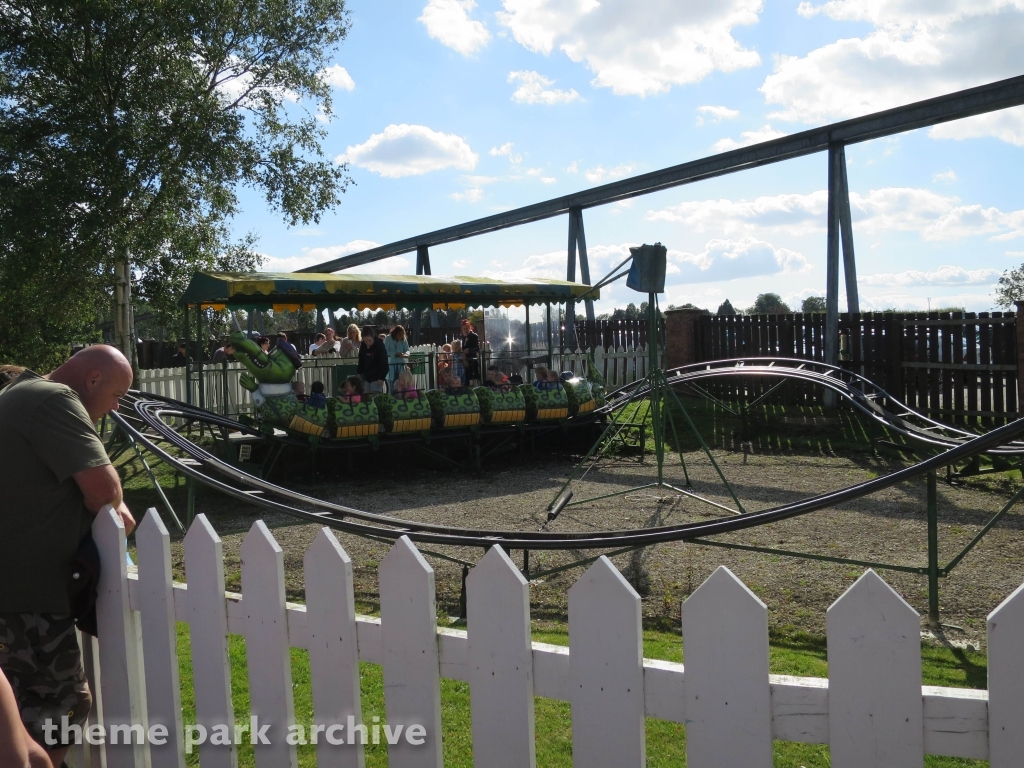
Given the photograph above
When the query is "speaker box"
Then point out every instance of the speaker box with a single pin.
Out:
(647, 273)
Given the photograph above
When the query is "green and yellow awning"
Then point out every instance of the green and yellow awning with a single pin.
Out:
(306, 291)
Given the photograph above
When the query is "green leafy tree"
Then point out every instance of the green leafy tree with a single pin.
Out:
(1010, 288)
(725, 308)
(813, 304)
(768, 304)
(128, 127)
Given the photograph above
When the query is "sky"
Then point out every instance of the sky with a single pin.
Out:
(449, 110)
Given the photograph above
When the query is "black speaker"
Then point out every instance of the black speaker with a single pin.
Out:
(647, 273)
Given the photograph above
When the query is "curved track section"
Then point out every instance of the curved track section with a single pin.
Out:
(863, 394)
(145, 422)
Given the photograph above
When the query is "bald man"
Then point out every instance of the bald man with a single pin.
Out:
(56, 478)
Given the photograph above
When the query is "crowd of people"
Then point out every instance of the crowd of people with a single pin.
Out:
(383, 363)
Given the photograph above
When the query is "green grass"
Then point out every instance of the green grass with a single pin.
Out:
(798, 654)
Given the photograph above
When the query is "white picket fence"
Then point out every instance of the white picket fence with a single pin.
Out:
(872, 711)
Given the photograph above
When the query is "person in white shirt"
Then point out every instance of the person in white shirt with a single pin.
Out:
(320, 338)
(329, 346)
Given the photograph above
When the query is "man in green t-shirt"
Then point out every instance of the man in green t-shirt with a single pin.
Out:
(56, 478)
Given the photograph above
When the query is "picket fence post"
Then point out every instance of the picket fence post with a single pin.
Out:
(874, 673)
(333, 648)
(728, 697)
(208, 632)
(500, 663)
(606, 660)
(122, 689)
(267, 650)
(159, 639)
(1006, 682)
(412, 673)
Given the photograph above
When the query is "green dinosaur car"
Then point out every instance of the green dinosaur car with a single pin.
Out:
(450, 411)
(268, 379)
(501, 407)
(545, 405)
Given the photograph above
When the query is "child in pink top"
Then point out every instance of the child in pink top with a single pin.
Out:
(405, 387)
(351, 390)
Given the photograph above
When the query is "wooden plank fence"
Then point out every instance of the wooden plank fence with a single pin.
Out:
(873, 711)
(953, 366)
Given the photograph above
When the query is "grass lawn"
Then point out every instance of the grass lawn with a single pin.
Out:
(666, 742)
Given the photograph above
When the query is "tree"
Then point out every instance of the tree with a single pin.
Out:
(768, 304)
(813, 304)
(128, 127)
(726, 308)
(1010, 287)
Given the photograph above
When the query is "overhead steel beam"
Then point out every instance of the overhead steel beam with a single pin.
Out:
(921, 114)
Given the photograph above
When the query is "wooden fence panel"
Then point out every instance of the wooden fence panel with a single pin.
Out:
(953, 366)
(412, 679)
(874, 667)
(500, 663)
(333, 648)
(208, 629)
(606, 659)
(1006, 681)
(159, 638)
(728, 699)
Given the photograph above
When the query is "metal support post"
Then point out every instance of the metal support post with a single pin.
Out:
(547, 317)
(846, 232)
(832, 267)
(570, 275)
(188, 358)
(199, 357)
(581, 241)
(422, 260)
(933, 551)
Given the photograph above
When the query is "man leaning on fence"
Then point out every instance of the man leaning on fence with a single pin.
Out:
(57, 477)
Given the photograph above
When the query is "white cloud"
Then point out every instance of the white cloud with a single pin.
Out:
(460, 264)
(410, 150)
(594, 175)
(534, 89)
(766, 133)
(733, 259)
(947, 177)
(337, 76)
(721, 259)
(311, 256)
(714, 114)
(936, 217)
(448, 22)
(474, 192)
(471, 195)
(916, 50)
(505, 150)
(548, 179)
(637, 48)
(944, 275)
(573, 167)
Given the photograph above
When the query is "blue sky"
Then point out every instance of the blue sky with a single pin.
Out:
(448, 110)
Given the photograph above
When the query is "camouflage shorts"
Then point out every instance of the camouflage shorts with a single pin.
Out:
(39, 653)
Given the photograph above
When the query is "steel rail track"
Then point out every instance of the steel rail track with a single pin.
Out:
(144, 421)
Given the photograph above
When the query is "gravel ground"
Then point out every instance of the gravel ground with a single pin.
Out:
(889, 526)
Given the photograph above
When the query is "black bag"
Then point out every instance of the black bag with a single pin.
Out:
(85, 581)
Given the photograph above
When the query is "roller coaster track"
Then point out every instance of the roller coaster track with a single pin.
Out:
(144, 419)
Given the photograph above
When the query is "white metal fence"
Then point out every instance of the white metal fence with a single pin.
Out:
(222, 392)
(872, 711)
